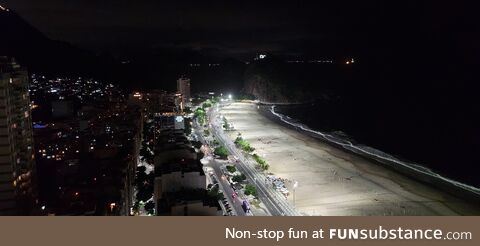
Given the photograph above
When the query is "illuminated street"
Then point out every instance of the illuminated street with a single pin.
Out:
(333, 182)
(275, 202)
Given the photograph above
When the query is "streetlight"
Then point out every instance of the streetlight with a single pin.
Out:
(230, 96)
(112, 206)
(295, 185)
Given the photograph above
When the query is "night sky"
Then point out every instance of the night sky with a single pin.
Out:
(230, 28)
(240, 28)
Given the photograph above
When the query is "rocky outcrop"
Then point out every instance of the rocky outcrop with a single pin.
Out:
(269, 81)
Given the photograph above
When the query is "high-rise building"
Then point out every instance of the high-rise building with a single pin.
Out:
(17, 189)
(183, 88)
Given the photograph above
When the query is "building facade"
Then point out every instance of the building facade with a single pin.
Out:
(183, 88)
(158, 102)
(17, 166)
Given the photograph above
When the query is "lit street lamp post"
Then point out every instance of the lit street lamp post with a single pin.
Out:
(295, 185)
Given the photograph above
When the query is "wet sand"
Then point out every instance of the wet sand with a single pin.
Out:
(333, 181)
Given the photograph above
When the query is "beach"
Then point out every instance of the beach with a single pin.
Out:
(332, 181)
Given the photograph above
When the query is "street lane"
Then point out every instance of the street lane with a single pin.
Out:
(276, 203)
(224, 185)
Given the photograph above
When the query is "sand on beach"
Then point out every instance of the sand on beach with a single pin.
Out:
(333, 181)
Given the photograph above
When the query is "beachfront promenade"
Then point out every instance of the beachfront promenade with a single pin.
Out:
(276, 203)
(333, 181)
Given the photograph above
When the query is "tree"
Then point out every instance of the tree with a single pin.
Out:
(221, 151)
(149, 207)
(214, 193)
(261, 162)
(136, 206)
(188, 110)
(188, 126)
(266, 167)
(200, 115)
(199, 112)
(140, 177)
(215, 99)
(250, 190)
(243, 144)
(238, 139)
(231, 169)
(239, 178)
(145, 193)
(144, 184)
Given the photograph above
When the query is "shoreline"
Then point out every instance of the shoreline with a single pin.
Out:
(334, 181)
(410, 170)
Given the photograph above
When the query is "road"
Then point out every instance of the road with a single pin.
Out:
(235, 203)
(275, 202)
(224, 185)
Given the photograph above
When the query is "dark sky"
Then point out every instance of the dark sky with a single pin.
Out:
(221, 27)
(241, 28)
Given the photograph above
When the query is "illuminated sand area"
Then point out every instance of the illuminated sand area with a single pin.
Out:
(334, 182)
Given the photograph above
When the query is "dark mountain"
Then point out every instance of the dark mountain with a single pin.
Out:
(158, 68)
(41, 54)
(274, 80)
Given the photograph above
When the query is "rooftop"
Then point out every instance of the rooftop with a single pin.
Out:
(182, 165)
(185, 196)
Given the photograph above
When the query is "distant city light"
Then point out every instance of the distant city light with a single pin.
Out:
(39, 126)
